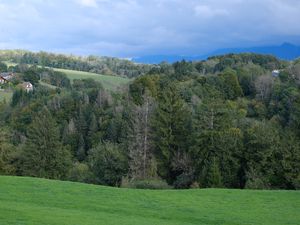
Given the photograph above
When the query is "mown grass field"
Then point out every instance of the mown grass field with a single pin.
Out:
(39, 201)
(108, 82)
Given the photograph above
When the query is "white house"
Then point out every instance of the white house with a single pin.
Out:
(27, 86)
(275, 73)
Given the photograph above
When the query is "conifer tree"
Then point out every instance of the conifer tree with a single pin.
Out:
(43, 153)
(170, 131)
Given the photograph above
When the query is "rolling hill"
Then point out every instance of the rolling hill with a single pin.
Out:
(48, 202)
(108, 82)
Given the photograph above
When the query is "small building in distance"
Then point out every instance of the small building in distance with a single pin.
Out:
(5, 77)
(275, 73)
(3, 80)
(27, 86)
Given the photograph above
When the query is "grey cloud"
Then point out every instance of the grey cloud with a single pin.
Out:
(141, 27)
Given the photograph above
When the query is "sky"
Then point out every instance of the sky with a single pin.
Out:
(131, 28)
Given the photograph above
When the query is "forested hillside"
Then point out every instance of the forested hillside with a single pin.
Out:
(94, 64)
(224, 122)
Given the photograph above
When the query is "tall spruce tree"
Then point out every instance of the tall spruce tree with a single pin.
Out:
(43, 153)
(170, 131)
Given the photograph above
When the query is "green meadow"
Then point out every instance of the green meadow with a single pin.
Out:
(108, 82)
(39, 201)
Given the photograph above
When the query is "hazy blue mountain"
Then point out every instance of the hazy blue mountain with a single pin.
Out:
(285, 51)
(155, 59)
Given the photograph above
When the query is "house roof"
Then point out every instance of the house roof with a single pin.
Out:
(6, 75)
(27, 84)
(3, 78)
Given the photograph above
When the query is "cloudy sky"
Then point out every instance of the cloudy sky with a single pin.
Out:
(127, 28)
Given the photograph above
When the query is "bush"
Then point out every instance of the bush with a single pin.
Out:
(255, 180)
(108, 164)
(183, 181)
(154, 184)
(80, 172)
(195, 185)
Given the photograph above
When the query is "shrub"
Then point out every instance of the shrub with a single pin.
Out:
(183, 181)
(145, 184)
(255, 180)
(80, 172)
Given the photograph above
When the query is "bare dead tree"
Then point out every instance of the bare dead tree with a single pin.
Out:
(140, 148)
(263, 86)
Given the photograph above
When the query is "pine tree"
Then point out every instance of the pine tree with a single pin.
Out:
(170, 131)
(213, 176)
(43, 154)
(81, 148)
(7, 151)
(92, 130)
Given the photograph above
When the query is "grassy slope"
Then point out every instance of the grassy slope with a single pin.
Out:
(109, 82)
(47, 85)
(38, 201)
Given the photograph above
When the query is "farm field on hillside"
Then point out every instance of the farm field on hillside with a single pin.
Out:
(109, 82)
(39, 201)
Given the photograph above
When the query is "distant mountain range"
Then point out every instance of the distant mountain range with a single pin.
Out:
(285, 51)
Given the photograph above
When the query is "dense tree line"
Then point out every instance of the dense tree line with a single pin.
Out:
(224, 122)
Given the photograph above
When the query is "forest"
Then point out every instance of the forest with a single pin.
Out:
(224, 122)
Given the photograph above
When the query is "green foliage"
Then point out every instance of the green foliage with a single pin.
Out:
(223, 122)
(217, 138)
(3, 67)
(108, 164)
(55, 78)
(171, 125)
(43, 154)
(183, 69)
(142, 84)
(154, 184)
(7, 152)
(32, 75)
(80, 172)
(213, 177)
(255, 180)
(231, 87)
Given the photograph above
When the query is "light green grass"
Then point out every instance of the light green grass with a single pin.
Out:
(5, 95)
(47, 85)
(108, 82)
(38, 201)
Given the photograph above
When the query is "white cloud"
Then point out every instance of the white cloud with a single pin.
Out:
(88, 3)
(206, 11)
